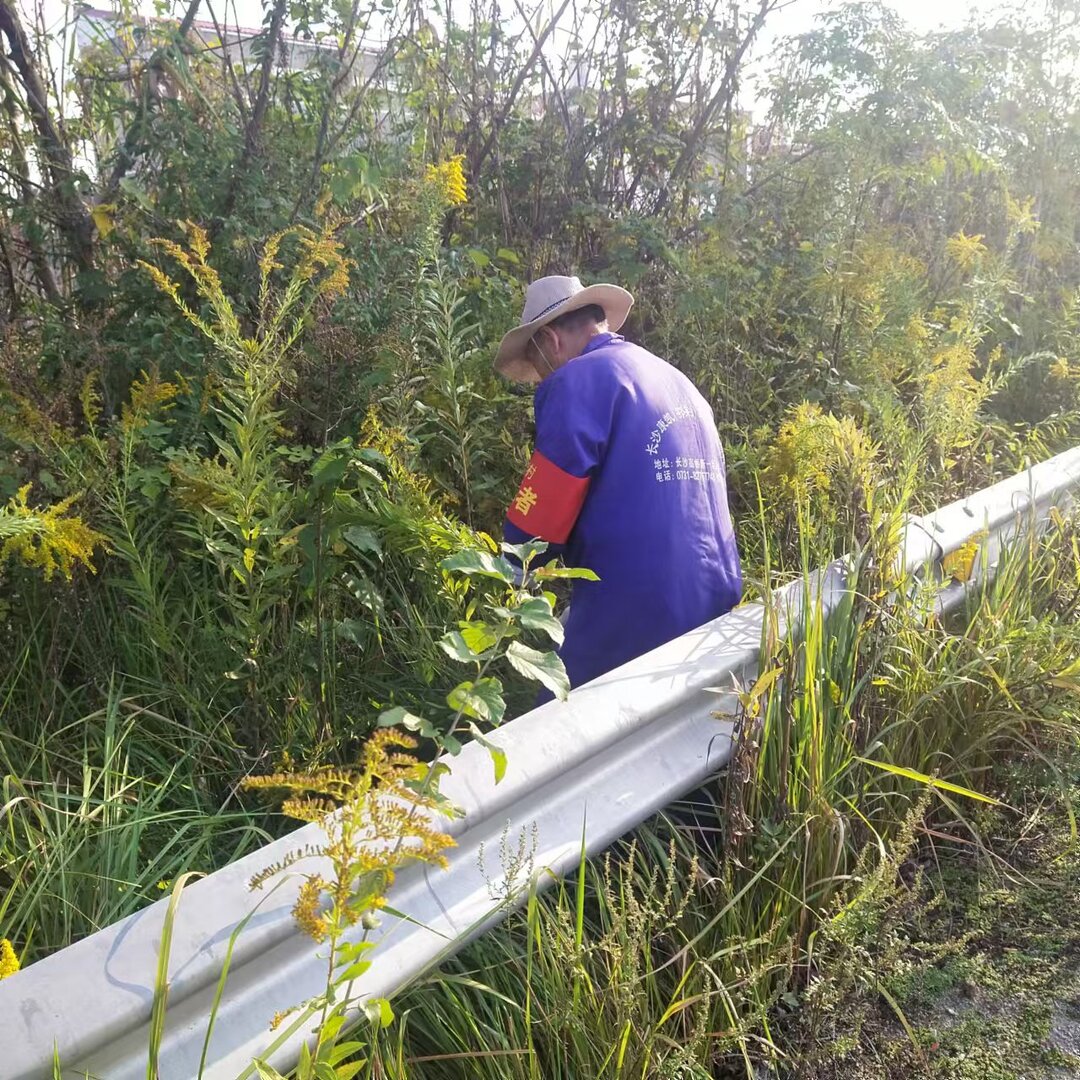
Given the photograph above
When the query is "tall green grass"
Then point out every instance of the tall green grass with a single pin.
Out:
(674, 955)
(872, 726)
(96, 820)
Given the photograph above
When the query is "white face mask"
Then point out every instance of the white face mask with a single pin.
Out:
(544, 356)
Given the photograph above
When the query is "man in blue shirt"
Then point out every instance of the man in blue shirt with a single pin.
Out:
(627, 478)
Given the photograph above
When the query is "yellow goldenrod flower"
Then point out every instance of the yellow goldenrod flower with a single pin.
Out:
(370, 816)
(1060, 368)
(148, 391)
(46, 539)
(448, 179)
(964, 250)
(9, 962)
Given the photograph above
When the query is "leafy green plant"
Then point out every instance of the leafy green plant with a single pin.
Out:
(240, 500)
(456, 420)
(492, 633)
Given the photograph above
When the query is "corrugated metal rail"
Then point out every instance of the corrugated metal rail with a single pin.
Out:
(582, 771)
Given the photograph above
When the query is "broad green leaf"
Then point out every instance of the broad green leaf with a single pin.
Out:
(547, 573)
(478, 636)
(536, 614)
(386, 1013)
(330, 1029)
(482, 700)
(498, 760)
(329, 470)
(341, 1051)
(348, 951)
(368, 456)
(481, 563)
(457, 648)
(364, 591)
(352, 630)
(379, 1012)
(543, 667)
(401, 717)
(362, 539)
(354, 971)
(498, 755)
(922, 778)
(349, 1069)
(525, 553)
(508, 256)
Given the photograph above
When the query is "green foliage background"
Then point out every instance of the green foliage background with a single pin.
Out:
(877, 288)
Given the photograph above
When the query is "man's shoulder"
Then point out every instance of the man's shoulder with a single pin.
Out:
(616, 363)
(616, 371)
(643, 372)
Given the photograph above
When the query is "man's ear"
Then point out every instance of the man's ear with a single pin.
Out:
(554, 342)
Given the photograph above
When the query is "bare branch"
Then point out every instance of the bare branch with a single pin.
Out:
(43, 270)
(130, 146)
(253, 128)
(515, 89)
(77, 227)
(723, 95)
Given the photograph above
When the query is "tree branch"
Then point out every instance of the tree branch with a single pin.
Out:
(253, 128)
(39, 260)
(253, 132)
(723, 94)
(515, 89)
(76, 225)
(129, 147)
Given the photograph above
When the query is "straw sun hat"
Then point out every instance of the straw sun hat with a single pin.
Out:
(546, 299)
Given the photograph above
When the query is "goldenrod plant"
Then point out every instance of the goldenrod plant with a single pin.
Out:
(375, 818)
(48, 539)
(238, 497)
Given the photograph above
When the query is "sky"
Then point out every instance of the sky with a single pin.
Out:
(795, 16)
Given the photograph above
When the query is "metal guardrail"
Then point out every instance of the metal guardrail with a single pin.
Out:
(584, 771)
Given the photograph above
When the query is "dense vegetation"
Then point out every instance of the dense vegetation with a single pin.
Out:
(247, 312)
(829, 908)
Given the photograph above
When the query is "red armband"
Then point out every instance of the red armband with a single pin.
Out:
(549, 500)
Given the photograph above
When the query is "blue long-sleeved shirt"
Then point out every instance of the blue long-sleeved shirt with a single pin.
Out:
(628, 480)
